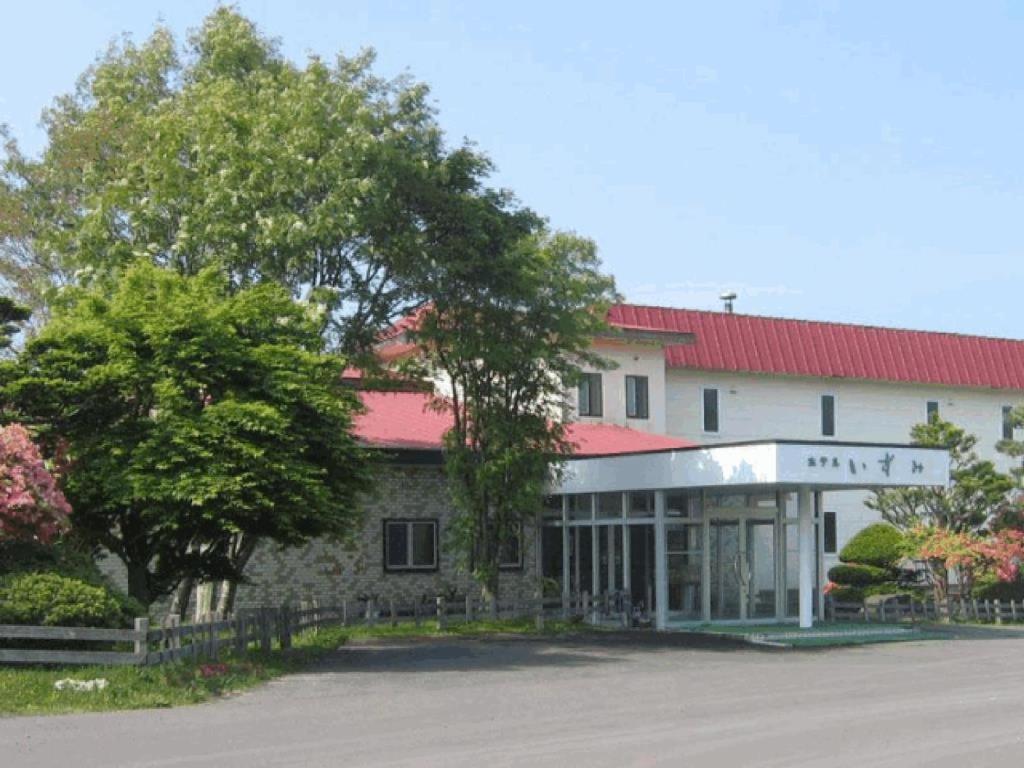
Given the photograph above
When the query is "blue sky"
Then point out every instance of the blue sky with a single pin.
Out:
(859, 162)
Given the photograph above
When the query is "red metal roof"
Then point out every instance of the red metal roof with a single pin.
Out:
(748, 343)
(406, 420)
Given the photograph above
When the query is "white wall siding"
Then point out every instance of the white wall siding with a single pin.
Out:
(630, 360)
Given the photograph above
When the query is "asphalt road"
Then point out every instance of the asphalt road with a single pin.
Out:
(541, 703)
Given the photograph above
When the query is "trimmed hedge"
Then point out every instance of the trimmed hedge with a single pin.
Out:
(857, 575)
(48, 599)
(879, 545)
(847, 594)
(993, 589)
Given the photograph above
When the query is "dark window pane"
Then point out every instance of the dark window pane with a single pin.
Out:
(828, 415)
(830, 533)
(423, 544)
(1007, 422)
(510, 553)
(710, 410)
(933, 411)
(589, 401)
(397, 544)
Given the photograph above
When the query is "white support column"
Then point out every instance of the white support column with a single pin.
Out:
(805, 517)
(566, 576)
(819, 591)
(660, 563)
(595, 552)
(627, 566)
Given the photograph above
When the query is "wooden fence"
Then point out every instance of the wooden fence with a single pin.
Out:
(261, 629)
(956, 609)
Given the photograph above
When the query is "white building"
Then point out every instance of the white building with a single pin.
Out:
(739, 378)
(721, 464)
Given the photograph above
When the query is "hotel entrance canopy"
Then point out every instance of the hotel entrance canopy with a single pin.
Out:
(726, 546)
(774, 464)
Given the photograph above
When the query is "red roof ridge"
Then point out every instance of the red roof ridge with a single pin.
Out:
(780, 318)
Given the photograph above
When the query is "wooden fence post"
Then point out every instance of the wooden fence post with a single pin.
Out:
(371, 612)
(416, 611)
(1013, 610)
(586, 604)
(539, 611)
(141, 641)
(442, 614)
(239, 629)
(391, 611)
(469, 608)
(214, 637)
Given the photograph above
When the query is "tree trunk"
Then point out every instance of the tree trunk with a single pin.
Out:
(226, 598)
(182, 598)
(242, 548)
(138, 582)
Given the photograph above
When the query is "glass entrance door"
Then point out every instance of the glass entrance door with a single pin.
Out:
(742, 568)
(724, 553)
(760, 569)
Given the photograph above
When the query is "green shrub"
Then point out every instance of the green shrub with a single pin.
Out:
(879, 545)
(50, 599)
(857, 575)
(850, 594)
(843, 594)
(988, 587)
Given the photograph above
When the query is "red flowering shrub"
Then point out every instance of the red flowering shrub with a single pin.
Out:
(1004, 552)
(32, 507)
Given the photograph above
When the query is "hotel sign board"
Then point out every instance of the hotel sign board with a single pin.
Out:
(773, 464)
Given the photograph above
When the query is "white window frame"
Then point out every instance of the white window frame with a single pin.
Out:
(835, 413)
(718, 402)
(938, 411)
(647, 395)
(409, 565)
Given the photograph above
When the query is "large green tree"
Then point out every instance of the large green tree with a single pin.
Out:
(196, 420)
(320, 177)
(977, 492)
(511, 321)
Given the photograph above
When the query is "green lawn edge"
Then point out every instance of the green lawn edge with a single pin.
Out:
(30, 690)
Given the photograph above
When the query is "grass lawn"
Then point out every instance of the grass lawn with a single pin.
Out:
(30, 690)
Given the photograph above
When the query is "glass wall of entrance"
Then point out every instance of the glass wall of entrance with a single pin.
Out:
(727, 558)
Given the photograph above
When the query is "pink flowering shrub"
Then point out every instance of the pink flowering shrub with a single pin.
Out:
(32, 507)
(1004, 552)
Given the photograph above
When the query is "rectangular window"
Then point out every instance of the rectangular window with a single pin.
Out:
(1008, 422)
(410, 545)
(709, 406)
(510, 555)
(830, 533)
(828, 415)
(636, 397)
(590, 399)
(932, 411)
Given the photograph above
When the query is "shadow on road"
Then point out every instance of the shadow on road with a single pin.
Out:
(382, 655)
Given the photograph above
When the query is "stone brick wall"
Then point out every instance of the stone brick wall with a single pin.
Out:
(330, 572)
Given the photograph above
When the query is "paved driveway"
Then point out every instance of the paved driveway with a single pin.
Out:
(540, 703)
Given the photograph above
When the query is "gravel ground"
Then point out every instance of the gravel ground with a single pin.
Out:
(587, 702)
